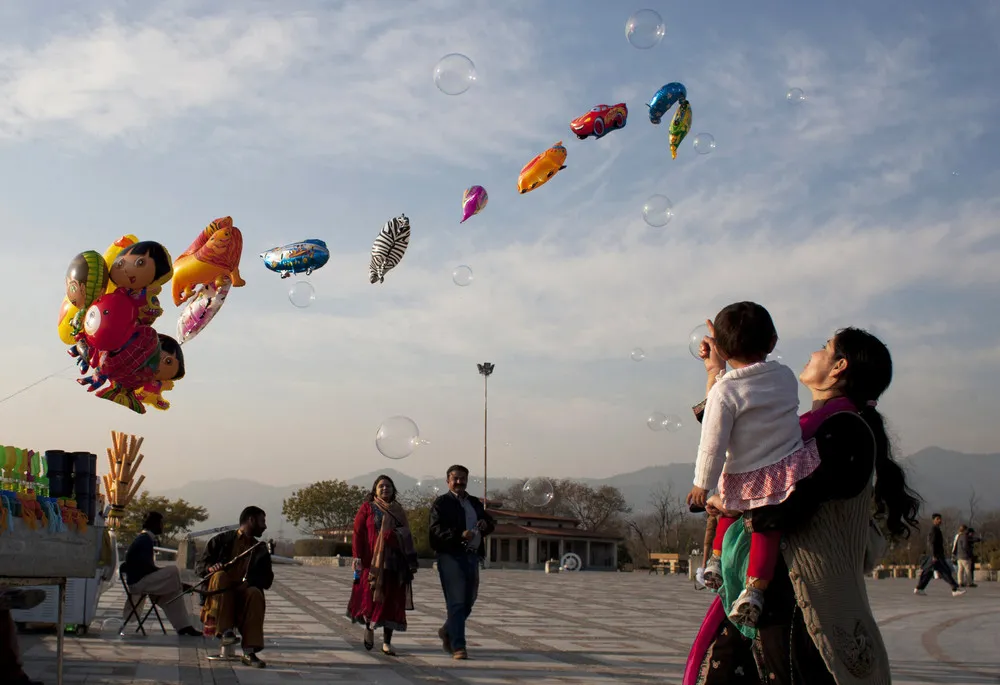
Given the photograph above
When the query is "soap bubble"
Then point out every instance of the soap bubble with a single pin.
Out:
(775, 356)
(658, 211)
(302, 294)
(704, 143)
(656, 421)
(454, 74)
(461, 275)
(638, 354)
(694, 340)
(397, 437)
(672, 423)
(538, 492)
(111, 627)
(795, 96)
(645, 29)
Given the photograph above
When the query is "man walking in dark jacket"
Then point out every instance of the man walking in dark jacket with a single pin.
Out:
(936, 561)
(459, 525)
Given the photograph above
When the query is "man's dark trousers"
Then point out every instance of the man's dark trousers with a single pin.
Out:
(460, 581)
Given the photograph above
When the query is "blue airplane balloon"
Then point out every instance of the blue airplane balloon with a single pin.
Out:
(296, 258)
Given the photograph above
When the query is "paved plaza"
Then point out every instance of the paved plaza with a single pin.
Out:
(582, 628)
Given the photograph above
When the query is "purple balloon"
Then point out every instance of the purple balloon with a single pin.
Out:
(473, 201)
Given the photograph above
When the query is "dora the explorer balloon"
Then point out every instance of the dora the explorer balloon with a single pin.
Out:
(171, 369)
(86, 280)
(140, 269)
(212, 259)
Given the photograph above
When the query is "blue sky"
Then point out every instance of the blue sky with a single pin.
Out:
(874, 203)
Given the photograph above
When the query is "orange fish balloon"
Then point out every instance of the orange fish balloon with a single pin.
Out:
(212, 259)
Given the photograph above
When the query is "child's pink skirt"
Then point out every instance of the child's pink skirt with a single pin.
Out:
(768, 485)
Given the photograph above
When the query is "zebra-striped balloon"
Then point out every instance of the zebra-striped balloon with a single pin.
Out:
(389, 247)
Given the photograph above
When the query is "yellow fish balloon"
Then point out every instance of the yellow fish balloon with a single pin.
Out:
(680, 125)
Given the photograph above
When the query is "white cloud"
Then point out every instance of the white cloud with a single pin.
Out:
(351, 80)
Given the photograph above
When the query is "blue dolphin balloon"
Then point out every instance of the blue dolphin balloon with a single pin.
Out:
(297, 258)
(664, 99)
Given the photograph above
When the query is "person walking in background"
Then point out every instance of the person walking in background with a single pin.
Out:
(973, 541)
(936, 561)
(961, 552)
(385, 562)
(459, 525)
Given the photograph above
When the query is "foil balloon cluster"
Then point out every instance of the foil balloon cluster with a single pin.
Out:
(111, 302)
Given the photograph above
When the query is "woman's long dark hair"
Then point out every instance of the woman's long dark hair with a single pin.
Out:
(868, 374)
(371, 495)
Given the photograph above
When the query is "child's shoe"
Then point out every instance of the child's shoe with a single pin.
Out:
(713, 573)
(747, 607)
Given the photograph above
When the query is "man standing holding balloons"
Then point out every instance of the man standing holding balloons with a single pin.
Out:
(459, 525)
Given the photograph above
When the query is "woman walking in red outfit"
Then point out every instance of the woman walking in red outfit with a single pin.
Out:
(384, 563)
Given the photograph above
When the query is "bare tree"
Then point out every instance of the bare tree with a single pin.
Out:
(973, 506)
(595, 508)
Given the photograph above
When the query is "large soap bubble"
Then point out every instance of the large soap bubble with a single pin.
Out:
(461, 275)
(672, 423)
(538, 492)
(302, 294)
(694, 340)
(704, 143)
(111, 627)
(655, 421)
(658, 211)
(454, 74)
(397, 437)
(645, 29)
(637, 354)
(795, 96)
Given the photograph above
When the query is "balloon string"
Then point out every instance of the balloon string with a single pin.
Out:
(40, 380)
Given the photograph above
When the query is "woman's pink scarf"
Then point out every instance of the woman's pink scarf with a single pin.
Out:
(810, 423)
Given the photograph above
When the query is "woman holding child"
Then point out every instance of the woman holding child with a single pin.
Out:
(798, 507)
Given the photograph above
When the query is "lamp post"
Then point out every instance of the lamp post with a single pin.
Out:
(485, 369)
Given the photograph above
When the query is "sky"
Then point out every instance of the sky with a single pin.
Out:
(872, 203)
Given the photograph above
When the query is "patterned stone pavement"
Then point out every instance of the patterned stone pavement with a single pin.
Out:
(584, 629)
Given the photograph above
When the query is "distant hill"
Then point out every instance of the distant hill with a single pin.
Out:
(944, 479)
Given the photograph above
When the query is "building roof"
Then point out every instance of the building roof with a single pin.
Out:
(513, 530)
(532, 516)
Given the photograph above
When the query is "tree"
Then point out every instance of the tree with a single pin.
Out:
(596, 509)
(418, 514)
(178, 517)
(326, 504)
(973, 506)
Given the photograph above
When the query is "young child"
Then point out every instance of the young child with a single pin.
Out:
(751, 444)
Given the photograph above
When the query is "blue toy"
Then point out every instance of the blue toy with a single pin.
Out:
(664, 99)
(296, 258)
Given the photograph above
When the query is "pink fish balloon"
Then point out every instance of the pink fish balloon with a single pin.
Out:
(200, 309)
(473, 201)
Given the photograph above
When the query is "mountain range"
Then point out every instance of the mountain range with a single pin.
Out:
(944, 479)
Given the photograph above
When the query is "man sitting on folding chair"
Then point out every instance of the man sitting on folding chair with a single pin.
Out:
(145, 579)
(237, 569)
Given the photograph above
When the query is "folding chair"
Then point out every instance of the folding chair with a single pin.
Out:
(135, 607)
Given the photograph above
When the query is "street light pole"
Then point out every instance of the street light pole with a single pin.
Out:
(485, 369)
